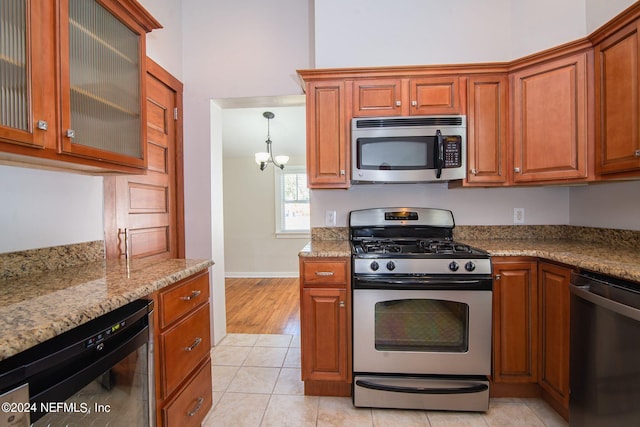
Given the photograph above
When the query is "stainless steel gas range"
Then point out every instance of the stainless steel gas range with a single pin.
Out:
(421, 312)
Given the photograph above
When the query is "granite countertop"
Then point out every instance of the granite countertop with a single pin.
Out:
(601, 258)
(607, 251)
(36, 307)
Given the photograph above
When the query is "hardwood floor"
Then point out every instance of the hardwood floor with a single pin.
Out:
(263, 306)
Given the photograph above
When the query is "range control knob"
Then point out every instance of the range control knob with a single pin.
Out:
(391, 266)
(453, 266)
(469, 266)
(374, 266)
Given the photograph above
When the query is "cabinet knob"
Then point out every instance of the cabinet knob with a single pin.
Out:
(497, 277)
(637, 153)
(474, 171)
(516, 170)
(341, 304)
(414, 103)
(70, 133)
(341, 171)
(398, 103)
(43, 125)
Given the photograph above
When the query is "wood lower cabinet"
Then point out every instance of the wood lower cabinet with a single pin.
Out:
(617, 99)
(182, 354)
(551, 138)
(515, 320)
(328, 137)
(488, 130)
(325, 325)
(554, 315)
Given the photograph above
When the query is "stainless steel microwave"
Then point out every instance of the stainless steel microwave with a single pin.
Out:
(408, 149)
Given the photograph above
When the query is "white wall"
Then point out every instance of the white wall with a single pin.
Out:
(408, 32)
(230, 49)
(164, 46)
(542, 24)
(41, 208)
(599, 11)
(609, 205)
(250, 246)
(470, 206)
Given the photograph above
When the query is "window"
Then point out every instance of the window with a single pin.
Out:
(293, 218)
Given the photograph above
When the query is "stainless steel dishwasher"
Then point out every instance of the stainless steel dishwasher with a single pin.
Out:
(605, 351)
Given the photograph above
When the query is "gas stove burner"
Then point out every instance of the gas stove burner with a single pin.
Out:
(381, 247)
(443, 246)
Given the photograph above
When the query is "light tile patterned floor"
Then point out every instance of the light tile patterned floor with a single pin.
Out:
(256, 382)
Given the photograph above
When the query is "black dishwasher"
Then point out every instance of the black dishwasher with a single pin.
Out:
(605, 351)
(98, 374)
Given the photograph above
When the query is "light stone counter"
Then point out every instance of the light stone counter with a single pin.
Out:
(36, 307)
(598, 257)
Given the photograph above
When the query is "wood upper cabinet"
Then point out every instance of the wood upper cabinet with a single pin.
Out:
(515, 321)
(72, 84)
(550, 120)
(403, 96)
(617, 104)
(27, 63)
(554, 317)
(328, 143)
(325, 325)
(488, 130)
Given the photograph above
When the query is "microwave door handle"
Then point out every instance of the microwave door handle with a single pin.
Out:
(440, 153)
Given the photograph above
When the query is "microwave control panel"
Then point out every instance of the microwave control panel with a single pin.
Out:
(452, 148)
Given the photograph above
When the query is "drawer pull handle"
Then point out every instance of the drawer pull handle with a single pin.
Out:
(197, 408)
(194, 345)
(193, 295)
(324, 273)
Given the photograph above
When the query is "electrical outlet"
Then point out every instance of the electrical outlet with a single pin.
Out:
(330, 218)
(518, 215)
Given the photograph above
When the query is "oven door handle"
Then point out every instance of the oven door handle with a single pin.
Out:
(415, 283)
(476, 388)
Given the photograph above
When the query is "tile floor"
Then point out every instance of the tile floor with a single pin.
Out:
(256, 382)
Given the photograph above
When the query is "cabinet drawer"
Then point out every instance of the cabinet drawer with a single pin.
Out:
(183, 347)
(191, 406)
(324, 272)
(182, 298)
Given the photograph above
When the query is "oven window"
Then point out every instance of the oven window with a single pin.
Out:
(395, 153)
(423, 325)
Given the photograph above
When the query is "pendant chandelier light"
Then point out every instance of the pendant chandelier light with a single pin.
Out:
(264, 158)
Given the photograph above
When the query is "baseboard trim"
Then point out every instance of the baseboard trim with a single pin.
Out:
(256, 275)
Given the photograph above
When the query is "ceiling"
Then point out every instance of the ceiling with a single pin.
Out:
(244, 129)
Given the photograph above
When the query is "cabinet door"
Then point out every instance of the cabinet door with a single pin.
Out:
(378, 97)
(327, 135)
(27, 64)
(550, 121)
(617, 102)
(487, 130)
(515, 322)
(435, 95)
(554, 331)
(102, 90)
(324, 334)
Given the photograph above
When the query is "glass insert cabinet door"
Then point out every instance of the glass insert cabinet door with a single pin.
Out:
(26, 63)
(422, 325)
(102, 90)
